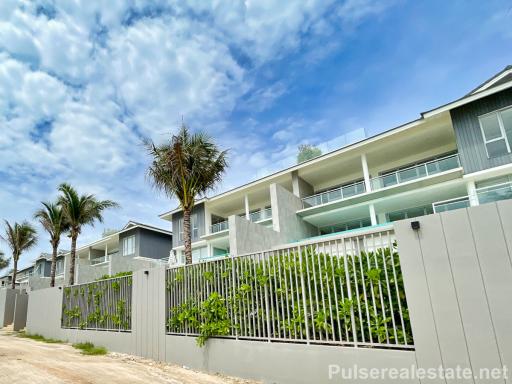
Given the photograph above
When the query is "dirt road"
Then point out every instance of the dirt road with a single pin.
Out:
(28, 361)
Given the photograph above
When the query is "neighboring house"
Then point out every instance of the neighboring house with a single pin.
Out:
(134, 247)
(37, 275)
(453, 156)
(6, 280)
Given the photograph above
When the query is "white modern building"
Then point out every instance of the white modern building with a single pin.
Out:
(454, 156)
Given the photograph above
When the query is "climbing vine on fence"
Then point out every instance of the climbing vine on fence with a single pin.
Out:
(348, 293)
(103, 304)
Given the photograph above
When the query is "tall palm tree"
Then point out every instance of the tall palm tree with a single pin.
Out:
(188, 166)
(80, 210)
(4, 262)
(51, 217)
(20, 238)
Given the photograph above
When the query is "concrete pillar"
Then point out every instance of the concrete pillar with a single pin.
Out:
(473, 197)
(300, 187)
(207, 219)
(373, 216)
(247, 210)
(366, 173)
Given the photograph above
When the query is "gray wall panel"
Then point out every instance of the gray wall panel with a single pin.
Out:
(470, 142)
(199, 210)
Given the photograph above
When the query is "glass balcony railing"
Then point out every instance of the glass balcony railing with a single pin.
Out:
(415, 172)
(494, 193)
(449, 205)
(219, 227)
(261, 215)
(334, 194)
(99, 260)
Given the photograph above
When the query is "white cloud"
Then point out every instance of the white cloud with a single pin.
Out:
(81, 81)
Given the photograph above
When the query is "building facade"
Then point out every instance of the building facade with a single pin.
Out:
(454, 156)
(134, 247)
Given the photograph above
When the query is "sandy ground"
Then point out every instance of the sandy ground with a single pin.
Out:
(29, 361)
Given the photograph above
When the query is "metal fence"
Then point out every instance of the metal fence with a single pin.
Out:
(100, 305)
(342, 291)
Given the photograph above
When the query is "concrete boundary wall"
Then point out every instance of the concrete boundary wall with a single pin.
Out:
(20, 311)
(457, 271)
(7, 304)
(458, 280)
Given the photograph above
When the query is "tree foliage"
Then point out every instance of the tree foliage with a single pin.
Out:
(79, 211)
(307, 152)
(186, 167)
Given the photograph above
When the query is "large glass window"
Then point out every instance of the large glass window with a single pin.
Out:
(199, 254)
(497, 132)
(129, 245)
(59, 267)
(194, 227)
(409, 213)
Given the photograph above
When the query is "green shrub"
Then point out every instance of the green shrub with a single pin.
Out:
(90, 349)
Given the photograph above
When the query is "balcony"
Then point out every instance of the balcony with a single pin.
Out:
(261, 215)
(219, 227)
(340, 193)
(450, 205)
(494, 193)
(416, 172)
(100, 260)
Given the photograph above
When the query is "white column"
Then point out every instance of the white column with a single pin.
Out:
(366, 173)
(473, 197)
(207, 219)
(247, 211)
(373, 216)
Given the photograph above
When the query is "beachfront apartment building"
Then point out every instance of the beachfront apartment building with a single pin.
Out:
(136, 246)
(453, 156)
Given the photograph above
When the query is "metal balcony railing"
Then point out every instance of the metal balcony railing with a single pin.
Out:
(415, 172)
(219, 227)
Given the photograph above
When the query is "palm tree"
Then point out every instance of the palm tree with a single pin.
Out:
(188, 166)
(80, 210)
(20, 238)
(4, 263)
(53, 221)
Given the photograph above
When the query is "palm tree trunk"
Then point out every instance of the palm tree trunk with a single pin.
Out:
(73, 257)
(14, 271)
(187, 236)
(54, 265)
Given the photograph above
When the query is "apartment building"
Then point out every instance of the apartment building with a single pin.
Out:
(135, 246)
(453, 156)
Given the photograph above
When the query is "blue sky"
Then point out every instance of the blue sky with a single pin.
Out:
(82, 81)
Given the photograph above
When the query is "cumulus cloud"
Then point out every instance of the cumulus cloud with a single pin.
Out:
(82, 81)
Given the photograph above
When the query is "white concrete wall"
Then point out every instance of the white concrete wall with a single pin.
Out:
(284, 215)
(247, 237)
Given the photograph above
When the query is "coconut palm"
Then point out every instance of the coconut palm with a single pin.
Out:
(20, 238)
(80, 210)
(188, 166)
(53, 221)
(4, 262)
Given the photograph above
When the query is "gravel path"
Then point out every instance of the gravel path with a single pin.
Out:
(28, 361)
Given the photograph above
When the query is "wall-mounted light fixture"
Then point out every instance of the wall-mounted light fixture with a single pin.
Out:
(415, 225)
(146, 272)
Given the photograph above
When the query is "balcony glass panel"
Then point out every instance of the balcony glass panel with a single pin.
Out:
(99, 260)
(495, 193)
(334, 194)
(218, 227)
(450, 205)
(261, 215)
(416, 172)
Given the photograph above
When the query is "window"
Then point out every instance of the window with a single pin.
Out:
(194, 227)
(180, 229)
(59, 267)
(38, 270)
(497, 132)
(129, 245)
(199, 254)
